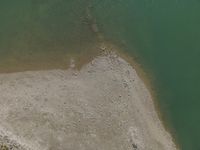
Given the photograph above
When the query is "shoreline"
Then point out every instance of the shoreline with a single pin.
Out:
(148, 80)
(111, 73)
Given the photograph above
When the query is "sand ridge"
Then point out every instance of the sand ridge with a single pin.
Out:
(103, 106)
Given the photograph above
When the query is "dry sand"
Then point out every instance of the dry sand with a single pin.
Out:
(104, 106)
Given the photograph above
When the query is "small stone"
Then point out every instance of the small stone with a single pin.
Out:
(72, 63)
(134, 146)
(75, 74)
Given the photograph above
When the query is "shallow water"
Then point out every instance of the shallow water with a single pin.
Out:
(163, 35)
(38, 34)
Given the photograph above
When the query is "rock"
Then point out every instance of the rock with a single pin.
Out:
(72, 63)
(135, 147)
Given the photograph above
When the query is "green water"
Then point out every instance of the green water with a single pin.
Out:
(163, 35)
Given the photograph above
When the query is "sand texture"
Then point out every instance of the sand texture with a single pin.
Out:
(104, 106)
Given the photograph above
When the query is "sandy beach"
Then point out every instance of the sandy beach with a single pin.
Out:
(103, 106)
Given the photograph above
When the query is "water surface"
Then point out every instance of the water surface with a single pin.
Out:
(38, 34)
(163, 35)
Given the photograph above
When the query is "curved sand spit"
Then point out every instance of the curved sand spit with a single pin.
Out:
(104, 106)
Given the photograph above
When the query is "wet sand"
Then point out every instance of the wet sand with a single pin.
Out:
(102, 106)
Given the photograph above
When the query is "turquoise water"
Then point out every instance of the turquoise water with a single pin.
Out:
(163, 35)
